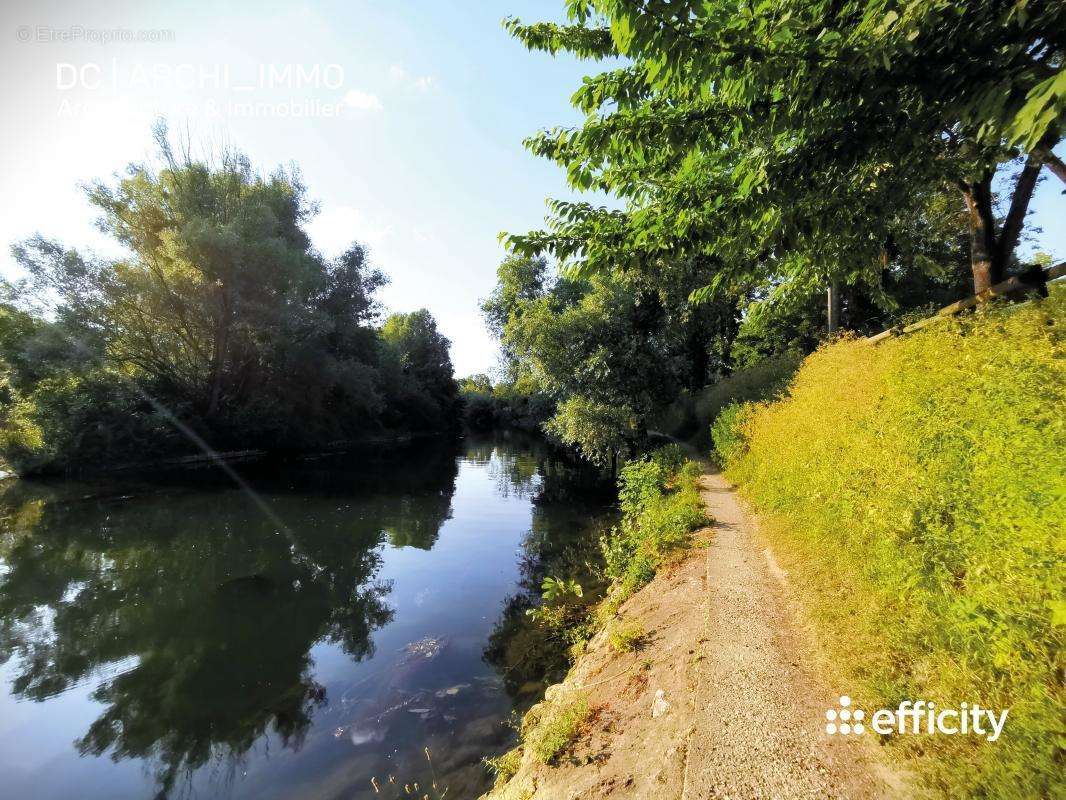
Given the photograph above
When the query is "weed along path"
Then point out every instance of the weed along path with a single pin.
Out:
(720, 699)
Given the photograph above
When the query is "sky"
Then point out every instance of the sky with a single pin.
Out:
(405, 118)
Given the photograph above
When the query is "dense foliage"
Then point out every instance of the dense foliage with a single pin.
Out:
(602, 363)
(221, 327)
(914, 489)
(502, 404)
(799, 142)
(661, 506)
(756, 156)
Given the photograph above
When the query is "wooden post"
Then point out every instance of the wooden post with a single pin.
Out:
(832, 311)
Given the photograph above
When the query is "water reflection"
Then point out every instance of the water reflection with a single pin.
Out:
(193, 623)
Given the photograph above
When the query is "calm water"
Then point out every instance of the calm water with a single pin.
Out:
(190, 638)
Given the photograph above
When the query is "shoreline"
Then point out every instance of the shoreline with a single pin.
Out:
(223, 458)
(724, 695)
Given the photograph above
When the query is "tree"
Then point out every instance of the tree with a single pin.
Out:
(419, 369)
(785, 141)
(599, 350)
(221, 327)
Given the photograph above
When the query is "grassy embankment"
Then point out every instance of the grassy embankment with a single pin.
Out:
(914, 490)
(661, 506)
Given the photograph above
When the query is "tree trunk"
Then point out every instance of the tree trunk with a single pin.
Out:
(832, 311)
(1019, 206)
(218, 356)
(849, 314)
(978, 196)
(698, 340)
(991, 252)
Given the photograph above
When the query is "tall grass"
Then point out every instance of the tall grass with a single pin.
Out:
(916, 491)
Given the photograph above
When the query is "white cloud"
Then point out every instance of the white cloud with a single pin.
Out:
(424, 83)
(336, 227)
(397, 73)
(362, 101)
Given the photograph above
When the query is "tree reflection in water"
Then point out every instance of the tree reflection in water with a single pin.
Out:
(193, 612)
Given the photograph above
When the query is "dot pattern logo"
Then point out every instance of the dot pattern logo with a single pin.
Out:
(844, 720)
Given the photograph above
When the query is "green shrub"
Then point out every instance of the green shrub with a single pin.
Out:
(670, 459)
(727, 432)
(661, 506)
(638, 483)
(74, 422)
(626, 638)
(915, 492)
(505, 766)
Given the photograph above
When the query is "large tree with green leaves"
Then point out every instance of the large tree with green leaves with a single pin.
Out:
(220, 321)
(795, 141)
(417, 370)
(608, 351)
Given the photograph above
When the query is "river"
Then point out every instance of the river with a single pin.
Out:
(307, 635)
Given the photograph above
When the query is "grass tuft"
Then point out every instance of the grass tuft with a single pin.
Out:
(626, 638)
(505, 766)
(557, 728)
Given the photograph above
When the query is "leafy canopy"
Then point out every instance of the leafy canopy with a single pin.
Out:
(786, 139)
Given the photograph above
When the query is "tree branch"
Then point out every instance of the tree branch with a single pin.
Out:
(1019, 205)
(1054, 163)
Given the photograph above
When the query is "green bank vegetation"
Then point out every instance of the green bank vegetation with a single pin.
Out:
(221, 327)
(626, 638)
(550, 729)
(914, 491)
(758, 157)
(661, 507)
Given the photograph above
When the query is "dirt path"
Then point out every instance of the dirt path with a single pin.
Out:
(759, 704)
(721, 701)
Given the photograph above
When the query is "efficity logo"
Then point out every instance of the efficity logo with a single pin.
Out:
(916, 717)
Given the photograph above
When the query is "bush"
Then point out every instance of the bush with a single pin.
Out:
(661, 506)
(915, 491)
(727, 432)
(70, 423)
(670, 459)
(505, 766)
(626, 639)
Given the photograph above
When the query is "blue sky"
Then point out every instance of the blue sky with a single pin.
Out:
(423, 160)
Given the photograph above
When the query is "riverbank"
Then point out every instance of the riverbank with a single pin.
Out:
(207, 457)
(225, 655)
(722, 694)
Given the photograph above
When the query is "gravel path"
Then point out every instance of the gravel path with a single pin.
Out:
(758, 728)
(722, 701)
